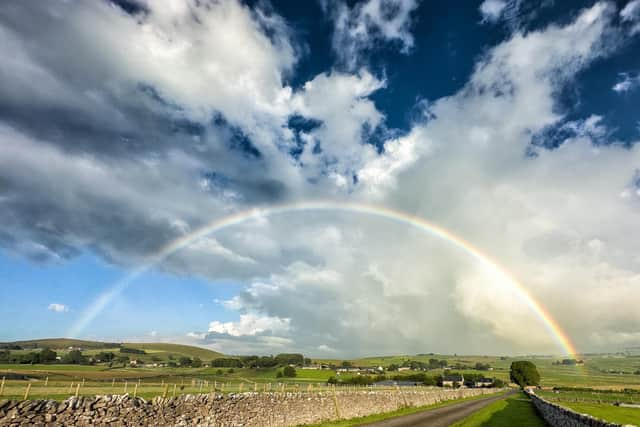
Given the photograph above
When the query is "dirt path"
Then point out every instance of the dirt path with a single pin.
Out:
(440, 417)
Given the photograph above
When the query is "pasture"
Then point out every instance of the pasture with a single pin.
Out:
(598, 403)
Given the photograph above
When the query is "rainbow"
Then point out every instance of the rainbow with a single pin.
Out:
(93, 310)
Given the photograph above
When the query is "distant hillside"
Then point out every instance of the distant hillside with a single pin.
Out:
(160, 350)
(185, 350)
(59, 344)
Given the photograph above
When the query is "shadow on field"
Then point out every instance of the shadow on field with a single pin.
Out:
(518, 411)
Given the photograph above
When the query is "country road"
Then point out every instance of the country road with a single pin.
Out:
(440, 417)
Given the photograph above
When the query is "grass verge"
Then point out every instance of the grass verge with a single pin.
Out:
(516, 410)
(400, 412)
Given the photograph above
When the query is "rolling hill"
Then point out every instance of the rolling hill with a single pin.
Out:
(162, 351)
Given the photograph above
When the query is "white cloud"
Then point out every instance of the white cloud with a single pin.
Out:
(360, 28)
(491, 10)
(631, 14)
(58, 308)
(326, 349)
(626, 83)
(250, 324)
(631, 11)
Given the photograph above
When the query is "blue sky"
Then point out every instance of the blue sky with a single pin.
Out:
(125, 125)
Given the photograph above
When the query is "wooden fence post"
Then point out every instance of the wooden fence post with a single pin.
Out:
(77, 389)
(125, 387)
(46, 381)
(335, 401)
(2, 386)
(26, 392)
(174, 390)
(166, 389)
(135, 391)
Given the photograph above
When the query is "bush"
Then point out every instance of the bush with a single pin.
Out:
(289, 371)
(224, 362)
(185, 361)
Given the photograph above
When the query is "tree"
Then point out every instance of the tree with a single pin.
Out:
(185, 361)
(346, 364)
(106, 356)
(284, 359)
(73, 357)
(196, 362)
(524, 373)
(48, 355)
(289, 371)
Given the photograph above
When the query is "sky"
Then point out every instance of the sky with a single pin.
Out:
(126, 126)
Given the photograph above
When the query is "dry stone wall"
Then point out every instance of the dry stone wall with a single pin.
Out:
(243, 409)
(557, 416)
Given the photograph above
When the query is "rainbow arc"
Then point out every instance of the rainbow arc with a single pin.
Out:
(103, 300)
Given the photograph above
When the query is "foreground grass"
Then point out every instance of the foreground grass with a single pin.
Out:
(400, 412)
(608, 412)
(516, 410)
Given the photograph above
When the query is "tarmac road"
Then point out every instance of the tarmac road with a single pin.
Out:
(440, 417)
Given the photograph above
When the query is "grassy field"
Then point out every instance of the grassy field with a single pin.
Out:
(607, 412)
(400, 412)
(516, 410)
(598, 403)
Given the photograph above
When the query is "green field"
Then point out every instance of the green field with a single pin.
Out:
(516, 410)
(607, 412)
(598, 403)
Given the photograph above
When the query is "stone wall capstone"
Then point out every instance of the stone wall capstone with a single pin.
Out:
(242, 409)
(558, 416)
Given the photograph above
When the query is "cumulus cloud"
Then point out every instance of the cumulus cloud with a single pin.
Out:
(58, 308)
(250, 324)
(360, 28)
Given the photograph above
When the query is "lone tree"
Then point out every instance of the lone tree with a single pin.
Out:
(524, 373)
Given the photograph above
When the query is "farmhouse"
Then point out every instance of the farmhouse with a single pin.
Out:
(452, 380)
(483, 382)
